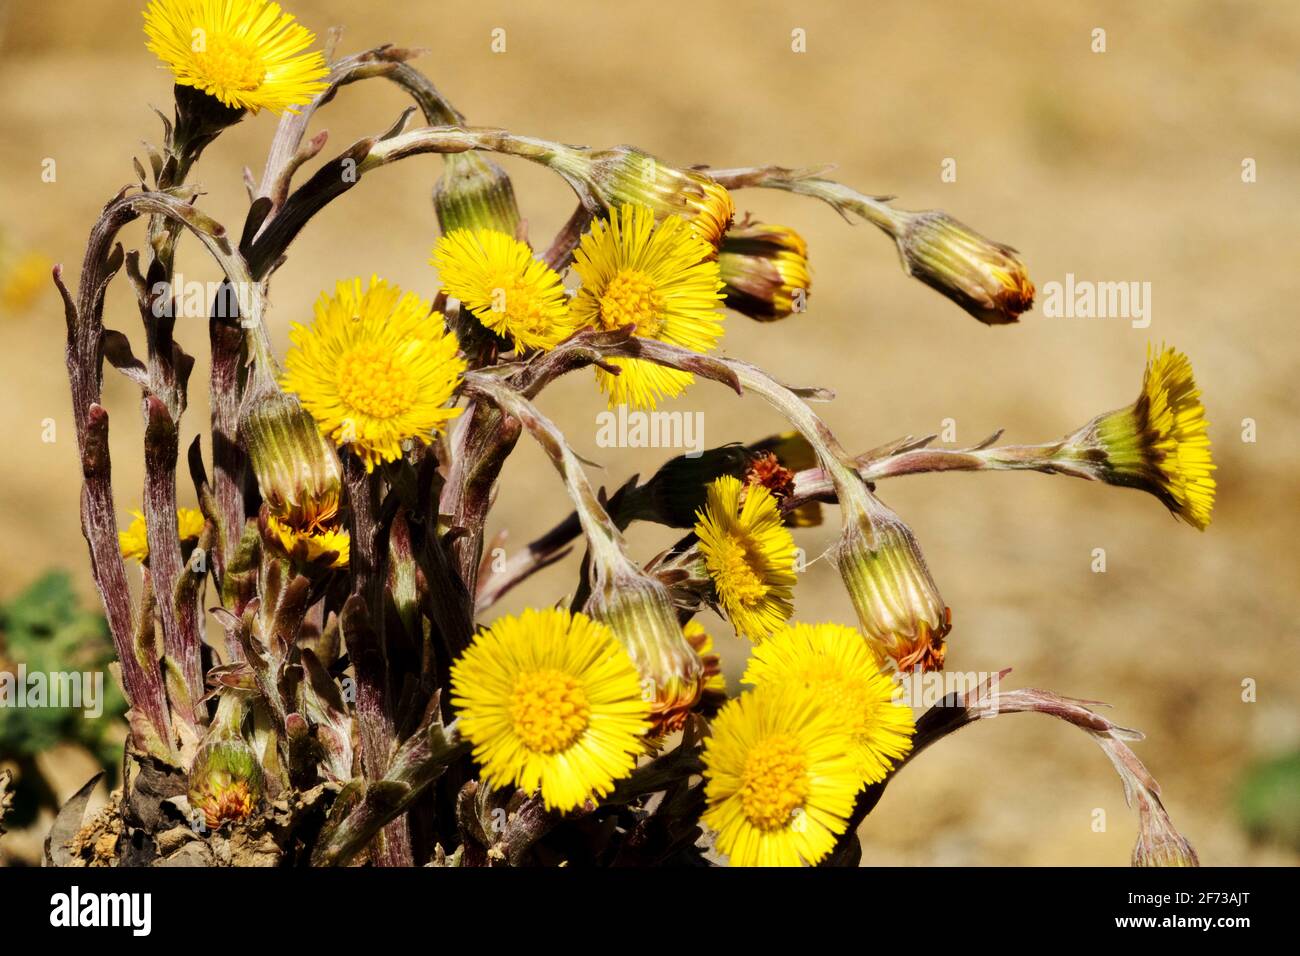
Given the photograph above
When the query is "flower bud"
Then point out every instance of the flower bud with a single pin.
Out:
(299, 476)
(475, 193)
(626, 175)
(985, 278)
(639, 610)
(765, 271)
(898, 603)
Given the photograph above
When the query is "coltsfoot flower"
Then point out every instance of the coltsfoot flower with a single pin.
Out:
(780, 777)
(656, 277)
(134, 541)
(713, 690)
(375, 369)
(496, 277)
(627, 175)
(765, 271)
(1158, 444)
(225, 782)
(245, 53)
(838, 666)
(550, 700)
(749, 554)
(984, 277)
(898, 604)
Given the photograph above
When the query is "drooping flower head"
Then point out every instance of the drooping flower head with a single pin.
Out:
(765, 270)
(134, 541)
(1158, 444)
(656, 277)
(899, 606)
(550, 700)
(749, 554)
(984, 277)
(713, 689)
(841, 669)
(495, 276)
(375, 369)
(245, 53)
(780, 777)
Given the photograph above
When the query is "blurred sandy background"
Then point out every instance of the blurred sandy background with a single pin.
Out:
(1117, 166)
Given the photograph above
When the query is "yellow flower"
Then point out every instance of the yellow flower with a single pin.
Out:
(23, 281)
(837, 665)
(749, 554)
(375, 369)
(496, 277)
(765, 270)
(134, 541)
(245, 53)
(550, 699)
(1159, 443)
(657, 278)
(714, 684)
(780, 777)
(310, 544)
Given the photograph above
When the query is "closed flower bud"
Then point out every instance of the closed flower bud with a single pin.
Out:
(765, 271)
(475, 193)
(626, 175)
(985, 278)
(225, 782)
(898, 603)
(639, 610)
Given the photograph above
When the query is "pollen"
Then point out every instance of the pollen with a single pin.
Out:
(732, 567)
(632, 298)
(774, 783)
(375, 382)
(549, 710)
(230, 63)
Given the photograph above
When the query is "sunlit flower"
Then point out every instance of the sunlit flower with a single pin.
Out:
(714, 686)
(656, 277)
(496, 277)
(311, 544)
(780, 777)
(134, 541)
(749, 554)
(551, 700)
(765, 270)
(245, 53)
(1158, 444)
(375, 369)
(839, 667)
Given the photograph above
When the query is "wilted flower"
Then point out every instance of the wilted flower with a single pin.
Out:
(780, 777)
(551, 701)
(984, 277)
(245, 53)
(374, 369)
(765, 271)
(714, 689)
(225, 781)
(749, 554)
(898, 604)
(657, 277)
(625, 174)
(475, 193)
(836, 664)
(496, 277)
(134, 541)
(1158, 444)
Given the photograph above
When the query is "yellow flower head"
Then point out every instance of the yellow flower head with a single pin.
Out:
(714, 684)
(659, 278)
(245, 53)
(375, 369)
(749, 554)
(134, 541)
(765, 270)
(838, 666)
(22, 281)
(550, 699)
(1159, 443)
(496, 277)
(780, 777)
(311, 544)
